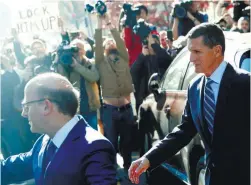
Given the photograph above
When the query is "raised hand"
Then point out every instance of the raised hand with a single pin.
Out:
(137, 168)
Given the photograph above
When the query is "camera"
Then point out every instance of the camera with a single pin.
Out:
(143, 29)
(180, 9)
(40, 65)
(130, 14)
(65, 53)
(246, 11)
(100, 8)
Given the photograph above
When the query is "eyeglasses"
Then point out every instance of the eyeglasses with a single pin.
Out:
(26, 107)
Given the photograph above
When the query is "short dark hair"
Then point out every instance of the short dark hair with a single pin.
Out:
(212, 35)
(142, 7)
(66, 99)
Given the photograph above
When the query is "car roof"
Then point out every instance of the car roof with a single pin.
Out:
(236, 42)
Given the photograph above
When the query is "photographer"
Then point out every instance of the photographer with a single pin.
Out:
(82, 73)
(38, 49)
(116, 83)
(241, 9)
(153, 59)
(186, 16)
(132, 41)
(77, 34)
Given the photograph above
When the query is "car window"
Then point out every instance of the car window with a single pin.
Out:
(190, 74)
(176, 71)
(245, 64)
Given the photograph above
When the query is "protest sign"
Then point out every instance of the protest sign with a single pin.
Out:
(36, 19)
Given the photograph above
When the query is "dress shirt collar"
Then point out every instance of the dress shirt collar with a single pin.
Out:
(218, 73)
(61, 135)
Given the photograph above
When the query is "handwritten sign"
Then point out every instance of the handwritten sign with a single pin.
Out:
(43, 18)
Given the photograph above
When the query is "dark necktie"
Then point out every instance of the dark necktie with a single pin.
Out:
(209, 105)
(49, 154)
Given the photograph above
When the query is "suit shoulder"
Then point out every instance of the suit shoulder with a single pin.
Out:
(243, 76)
(242, 73)
(95, 138)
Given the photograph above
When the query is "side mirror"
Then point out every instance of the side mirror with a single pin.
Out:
(153, 83)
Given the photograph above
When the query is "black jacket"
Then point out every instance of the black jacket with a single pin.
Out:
(229, 146)
(144, 67)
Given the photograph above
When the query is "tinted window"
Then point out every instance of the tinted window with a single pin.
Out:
(245, 64)
(176, 71)
(190, 74)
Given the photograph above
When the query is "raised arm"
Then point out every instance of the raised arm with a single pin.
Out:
(88, 70)
(119, 41)
(99, 50)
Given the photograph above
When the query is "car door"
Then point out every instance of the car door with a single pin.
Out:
(169, 107)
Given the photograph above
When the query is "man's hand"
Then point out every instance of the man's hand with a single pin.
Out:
(137, 168)
(151, 40)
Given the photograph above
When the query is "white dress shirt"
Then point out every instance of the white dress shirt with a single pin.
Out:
(61, 135)
(216, 77)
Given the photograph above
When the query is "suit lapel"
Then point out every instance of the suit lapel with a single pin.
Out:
(224, 90)
(38, 166)
(67, 146)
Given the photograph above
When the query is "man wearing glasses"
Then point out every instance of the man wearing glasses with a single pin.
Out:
(69, 151)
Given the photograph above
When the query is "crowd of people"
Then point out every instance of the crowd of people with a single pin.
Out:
(70, 111)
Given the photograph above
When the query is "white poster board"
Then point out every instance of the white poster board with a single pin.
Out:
(37, 19)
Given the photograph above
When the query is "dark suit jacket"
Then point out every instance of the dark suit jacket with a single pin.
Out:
(229, 147)
(85, 157)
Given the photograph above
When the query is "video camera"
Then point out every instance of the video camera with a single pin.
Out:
(143, 29)
(100, 8)
(246, 11)
(180, 9)
(130, 14)
(65, 53)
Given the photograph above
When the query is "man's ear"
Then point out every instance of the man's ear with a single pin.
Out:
(217, 51)
(48, 107)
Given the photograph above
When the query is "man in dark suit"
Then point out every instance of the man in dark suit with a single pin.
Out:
(218, 108)
(70, 152)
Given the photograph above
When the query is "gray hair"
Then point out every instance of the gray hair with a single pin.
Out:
(212, 35)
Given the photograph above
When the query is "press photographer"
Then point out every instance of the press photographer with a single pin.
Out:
(130, 15)
(186, 15)
(38, 49)
(81, 71)
(153, 59)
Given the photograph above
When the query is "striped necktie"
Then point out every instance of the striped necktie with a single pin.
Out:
(209, 105)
